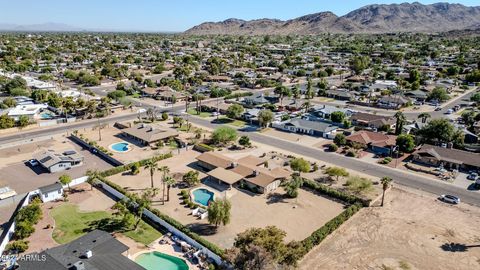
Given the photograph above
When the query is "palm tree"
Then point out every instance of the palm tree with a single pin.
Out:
(93, 175)
(169, 181)
(386, 181)
(400, 121)
(143, 203)
(165, 170)
(152, 166)
(424, 116)
(306, 105)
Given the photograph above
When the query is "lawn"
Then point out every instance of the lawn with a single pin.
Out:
(233, 122)
(71, 224)
(193, 111)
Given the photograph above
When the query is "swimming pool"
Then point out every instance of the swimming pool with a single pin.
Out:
(160, 261)
(46, 115)
(202, 196)
(120, 147)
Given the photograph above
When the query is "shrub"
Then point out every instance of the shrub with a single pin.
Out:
(336, 194)
(332, 147)
(19, 246)
(351, 153)
(201, 147)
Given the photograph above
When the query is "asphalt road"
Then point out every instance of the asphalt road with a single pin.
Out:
(400, 177)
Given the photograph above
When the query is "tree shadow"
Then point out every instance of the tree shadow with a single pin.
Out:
(276, 198)
(105, 224)
(457, 247)
(203, 229)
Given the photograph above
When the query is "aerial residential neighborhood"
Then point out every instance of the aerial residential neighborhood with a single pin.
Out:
(168, 136)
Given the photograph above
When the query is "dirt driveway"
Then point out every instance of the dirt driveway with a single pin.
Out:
(413, 231)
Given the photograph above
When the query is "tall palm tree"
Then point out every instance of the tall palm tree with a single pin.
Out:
(165, 170)
(93, 175)
(424, 116)
(386, 181)
(169, 181)
(400, 122)
(152, 166)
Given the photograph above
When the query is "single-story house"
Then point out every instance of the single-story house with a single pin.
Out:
(32, 111)
(259, 99)
(247, 171)
(148, 134)
(372, 120)
(51, 192)
(56, 162)
(314, 128)
(447, 157)
(95, 250)
(378, 143)
(392, 102)
(324, 111)
(340, 94)
(418, 95)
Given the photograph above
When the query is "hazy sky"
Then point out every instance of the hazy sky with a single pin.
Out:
(170, 15)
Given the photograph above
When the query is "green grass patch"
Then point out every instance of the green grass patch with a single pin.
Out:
(193, 111)
(70, 224)
(225, 120)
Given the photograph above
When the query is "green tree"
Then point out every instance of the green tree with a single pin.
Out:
(219, 212)
(223, 135)
(244, 141)
(265, 117)
(165, 171)
(191, 178)
(65, 179)
(235, 111)
(405, 143)
(424, 116)
(300, 165)
(282, 91)
(23, 121)
(292, 186)
(439, 94)
(337, 117)
(336, 172)
(340, 139)
(6, 121)
(93, 176)
(386, 182)
(401, 119)
(359, 63)
(441, 131)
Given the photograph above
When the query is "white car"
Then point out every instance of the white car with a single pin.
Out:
(450, 199)
(33, 162)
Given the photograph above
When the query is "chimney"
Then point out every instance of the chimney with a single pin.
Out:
(88, 254)
(233, 164)
(256, 173)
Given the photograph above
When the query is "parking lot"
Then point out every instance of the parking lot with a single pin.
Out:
(21, 177)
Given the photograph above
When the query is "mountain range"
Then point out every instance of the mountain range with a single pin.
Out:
(47, 27)
(392, 18)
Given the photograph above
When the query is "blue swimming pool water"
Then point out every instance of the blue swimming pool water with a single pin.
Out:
(202, 196)
(120, 147)
(160, 261)
(46, 115)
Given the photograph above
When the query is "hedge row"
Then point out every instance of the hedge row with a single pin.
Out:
(237, 95)
(201, 147)
(124, 168)
(331, 192)
(319, 235)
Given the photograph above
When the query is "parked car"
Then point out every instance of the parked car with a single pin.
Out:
(438, 109)
(449, 111)
(450, 199)
(33, 162)
(472, 176)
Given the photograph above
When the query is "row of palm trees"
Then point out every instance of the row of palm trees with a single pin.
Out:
(167, 180)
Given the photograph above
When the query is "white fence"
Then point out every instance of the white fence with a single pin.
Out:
(26, 200)
(169, 227)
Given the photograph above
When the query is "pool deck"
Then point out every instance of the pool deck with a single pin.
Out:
(169, 249)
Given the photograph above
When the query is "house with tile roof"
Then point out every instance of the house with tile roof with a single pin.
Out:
(378, 143)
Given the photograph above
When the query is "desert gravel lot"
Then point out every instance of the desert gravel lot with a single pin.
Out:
(412, 231)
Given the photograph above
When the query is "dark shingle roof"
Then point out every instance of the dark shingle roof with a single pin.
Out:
(50, 188)
(106, 250)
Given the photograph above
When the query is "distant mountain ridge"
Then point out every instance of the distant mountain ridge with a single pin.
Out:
(49, 26)
(393, 18)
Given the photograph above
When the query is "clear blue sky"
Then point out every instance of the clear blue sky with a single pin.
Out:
(170, 15)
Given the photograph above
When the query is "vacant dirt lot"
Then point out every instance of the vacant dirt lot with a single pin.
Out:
(412, 231)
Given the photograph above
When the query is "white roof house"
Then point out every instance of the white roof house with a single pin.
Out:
(31, 110)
